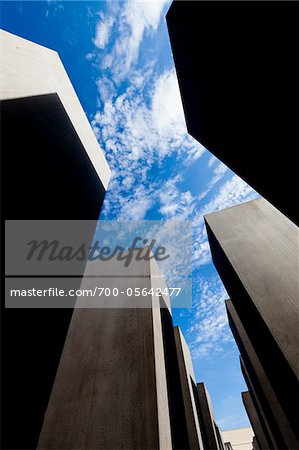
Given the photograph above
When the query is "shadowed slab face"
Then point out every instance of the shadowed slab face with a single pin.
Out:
(254, 420)
(48, 175)
(276, 426)
(236, 67)
(208, 428)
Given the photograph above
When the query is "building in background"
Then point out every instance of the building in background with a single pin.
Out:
(255, 250)
(238, 439)
(237, 70)
(54, 169)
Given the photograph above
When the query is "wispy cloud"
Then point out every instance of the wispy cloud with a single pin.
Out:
(134, 19)
(103, 30)
(233, 192)
(208, 332)
(212, 160)
(53, 7)
(218, 173)
(140, 122)
(138, 129)
(174, 202)
(136, 206)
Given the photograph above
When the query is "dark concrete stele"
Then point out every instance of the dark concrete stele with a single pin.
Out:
(255, 421)
(276, 427)
(237, 68)
(210, 433)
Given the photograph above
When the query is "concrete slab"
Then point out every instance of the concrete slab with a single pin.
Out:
(255, 250)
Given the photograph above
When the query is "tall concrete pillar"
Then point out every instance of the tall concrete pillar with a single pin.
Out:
(189, 390)
(255, 250)
(53, 169)
(255, 421)
(211, 439)
(110, 390)
(178, 420)
(271, 413)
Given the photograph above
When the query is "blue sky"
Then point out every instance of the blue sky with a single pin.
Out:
(118, 57)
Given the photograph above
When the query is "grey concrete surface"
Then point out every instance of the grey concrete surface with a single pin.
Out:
(255, 250)
(110, 389)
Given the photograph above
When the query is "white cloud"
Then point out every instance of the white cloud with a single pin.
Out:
(201, 253)
(174, 202)
(218, 173)
(194, 154)
(138, 130)
(142, 123)
(103, 29)
(106, 88)
(89, 56)
(134, 19)
(208, 333)
(232, 193)
(136, 207)
(54, 7)
(212, 160)
(167, 111)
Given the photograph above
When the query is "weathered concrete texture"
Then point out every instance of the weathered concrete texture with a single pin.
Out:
(255, 422)
(255, 250)
(277, 428)
(189, 391)
(110, 390)
(207, 421)
(238, 80)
